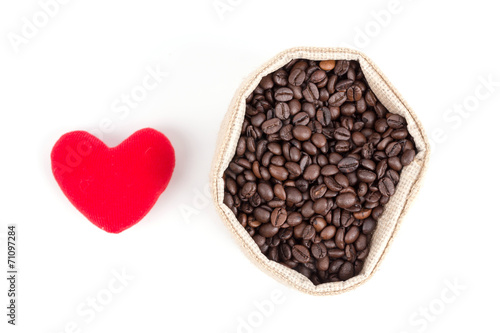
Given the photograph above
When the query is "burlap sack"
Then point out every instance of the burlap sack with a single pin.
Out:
(395, 210)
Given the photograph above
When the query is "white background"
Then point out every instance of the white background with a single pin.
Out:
(189, 275)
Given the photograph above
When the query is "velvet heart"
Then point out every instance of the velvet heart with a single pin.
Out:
(113, 187)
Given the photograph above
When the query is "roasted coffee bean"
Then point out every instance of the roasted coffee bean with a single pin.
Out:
(328, 232)
(386, 187)
(407, 157)
(327, 65)
(348, 164)
(271, 126)
(393, 149)
(308, 232)
(395, 163)
(282, 111)
(341, 67)
(354, 93)
(346, 271)
(319, 140)
(301, 132)
(337, 99)
(294, 219)
(283, 94)
(319, 250)
(312, 172)
(366, 176)
(248, 190)
(311, 92)
(369, 226)
(317, 159)
(396, 121)
(278, 172)
(268, 230)
(362, 214)
(284, 251)
(293, 195)
(318, 191)
(342, 133)
(278, 217)
(352, 235)
(346, 200)
(297, 76)
(339, 238)
(265, 191)
(301, 253)
(317, 76)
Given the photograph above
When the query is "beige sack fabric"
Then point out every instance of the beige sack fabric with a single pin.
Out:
(395, 210)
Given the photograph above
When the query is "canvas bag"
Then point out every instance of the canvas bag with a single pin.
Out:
(395, 209)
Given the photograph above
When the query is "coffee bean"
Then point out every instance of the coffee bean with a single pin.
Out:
(393, 149)
(317, 76)
(337, 99)
(407, 157)
(293, 195)
(312, 172)
(271, 126)
(278, 217)
(311, 92)
(308, 232)
(282, 111)
(348, 164)
(339, 238)
(362, 214)
(396, 121)
(319, 223)
(301, 132)
(347, 109)
(284, 251)
(386, 187)
(329, 170)
(297, 76)
(262, 215)
(395, 163)
(346, 200)
(346, 271)
(327, 65)
(268, 230)
(278, 172)
(248, 190)
(366, 176)
(301, 253)
(318, 191)
(352, 235)
(342, 133)
(283, 94)
(265, 191)
(319, 250)
(354, 93)
(343, 85)
(369, 225)
(341, 67)
(301, 118)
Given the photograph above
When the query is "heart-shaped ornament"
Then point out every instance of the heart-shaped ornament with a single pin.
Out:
(113, 187)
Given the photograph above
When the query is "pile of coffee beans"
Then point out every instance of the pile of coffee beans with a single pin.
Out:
(318, 158)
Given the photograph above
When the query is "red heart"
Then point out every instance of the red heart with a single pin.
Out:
(113, 187)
